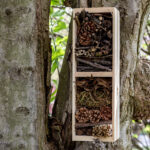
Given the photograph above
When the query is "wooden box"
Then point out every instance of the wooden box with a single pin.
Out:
(85, 129)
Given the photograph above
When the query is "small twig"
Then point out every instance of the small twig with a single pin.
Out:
(95, 65)
(83, 48)
(134, 141)
(145, 41)
(103, 15)
(77, 21)
(84, 68)
(100, 61)
(147, 31)
(147, 52)
(83, 125)
(103, 62)
(79, 48)
(103, 56)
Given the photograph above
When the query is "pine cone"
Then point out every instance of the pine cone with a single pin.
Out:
(82, 115)
(89, 26)
(85, 39)
(102, 131)
(106, 113)
(94, 116)
(85, 34)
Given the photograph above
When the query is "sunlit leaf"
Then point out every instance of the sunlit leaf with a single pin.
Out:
(144, 46)
(51, 10)
(135, 136)
(60, 40)
(52, 98)
(148, 22)
(55, 82)
(58, 13)
(54, 66)
(56, 2)
(147, 129)
(61, 25)
(58, 53)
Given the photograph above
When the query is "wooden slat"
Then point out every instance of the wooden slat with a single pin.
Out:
(91, 138)
(80, 125)
(95, 10)
(117, 127)
(93, 74)
(73, 77)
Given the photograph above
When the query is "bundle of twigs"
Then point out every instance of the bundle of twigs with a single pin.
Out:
(94, 40)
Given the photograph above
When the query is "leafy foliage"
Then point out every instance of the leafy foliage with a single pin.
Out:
(59, 23)
(57, 2)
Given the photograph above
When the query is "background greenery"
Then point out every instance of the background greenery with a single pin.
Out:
(59, 26)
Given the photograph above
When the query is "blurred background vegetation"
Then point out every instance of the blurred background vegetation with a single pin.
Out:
(59, 19)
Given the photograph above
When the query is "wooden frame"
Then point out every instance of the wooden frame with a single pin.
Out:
(115, 74)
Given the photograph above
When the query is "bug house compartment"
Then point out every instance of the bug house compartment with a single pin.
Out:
(96, 74)
(93, 106)
(94, 41)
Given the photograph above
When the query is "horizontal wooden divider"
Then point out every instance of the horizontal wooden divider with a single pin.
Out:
(94, 74)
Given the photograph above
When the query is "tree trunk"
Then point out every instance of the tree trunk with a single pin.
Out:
(133, 18)
(24, 74)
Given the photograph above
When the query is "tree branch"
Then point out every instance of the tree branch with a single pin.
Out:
(147, 52)
(142, 90)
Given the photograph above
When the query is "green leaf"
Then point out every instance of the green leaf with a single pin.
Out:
(51, 10)
(55, 82)
(148, 22)
(61, 25)
(53, 96)
(63, 1)
(54, 66)
(57, 54)
(52, 99)
(144, 46)
(58, 13)
(147, 129)
(56, 2)
(135, 136)
(60, 40)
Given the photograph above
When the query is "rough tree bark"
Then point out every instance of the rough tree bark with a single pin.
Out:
(24, 74)
(133, 18)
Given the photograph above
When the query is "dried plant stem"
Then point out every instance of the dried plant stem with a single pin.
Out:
(83, 125)
(95, 65)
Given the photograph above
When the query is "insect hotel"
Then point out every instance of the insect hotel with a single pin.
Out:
(96, 74)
